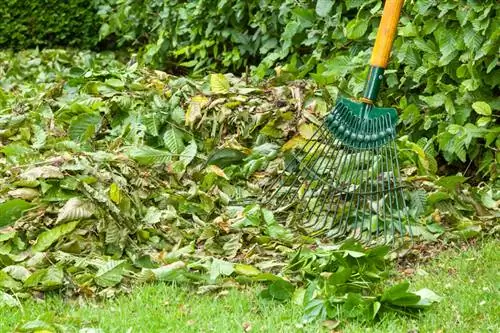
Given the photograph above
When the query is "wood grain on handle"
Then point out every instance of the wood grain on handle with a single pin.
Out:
(386, 33)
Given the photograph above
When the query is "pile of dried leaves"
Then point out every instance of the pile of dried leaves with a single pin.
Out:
(114, 174)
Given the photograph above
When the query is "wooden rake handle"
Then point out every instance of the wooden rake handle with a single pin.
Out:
(386, 33)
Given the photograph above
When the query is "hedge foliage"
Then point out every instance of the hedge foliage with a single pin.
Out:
(443, 75)
(48, 23)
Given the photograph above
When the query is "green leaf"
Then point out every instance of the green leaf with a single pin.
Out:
(356, 28)
(315, 309)
(12, 210)
(399, 295)
(84, 127)
(220, 267)
(483, 121)
(281, 290)
(226, 156)
(146, 155)
(323, 7)
(219, 84)
(110, 273)
(451, 182)
(247, 270)
(482, 108)
(172, 139)
(47, 238)
(341, 276)
(427, 298)
(189, 153)
(53, 278)
(36, 326)
(7, 282)
(115, 83)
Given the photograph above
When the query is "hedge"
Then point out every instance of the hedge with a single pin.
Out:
(443, 75)
(48, 23)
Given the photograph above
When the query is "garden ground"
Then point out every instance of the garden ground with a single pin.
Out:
(466, 277)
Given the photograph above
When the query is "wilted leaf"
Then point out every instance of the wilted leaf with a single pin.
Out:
(427, 297)
(296, 141)
(75, 209)
(194, 109)
(8, 301)
(24, 193)
(17, 272)
(43, 172)
(169, 272)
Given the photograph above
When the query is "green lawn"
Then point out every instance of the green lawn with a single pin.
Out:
(468, 280)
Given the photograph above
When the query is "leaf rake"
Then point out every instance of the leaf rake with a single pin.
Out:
(345, 180)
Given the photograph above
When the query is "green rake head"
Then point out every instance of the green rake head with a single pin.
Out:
(345, 180)
(362, 125)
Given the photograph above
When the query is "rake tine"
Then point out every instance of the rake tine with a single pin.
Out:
(347, 156)
(360, 194)
(332, 188)
(290, 163)
(344, 225)
(333, 191)
(364, 201)
(309, 169)
(396, 184)
(307, 222)
(402, 196)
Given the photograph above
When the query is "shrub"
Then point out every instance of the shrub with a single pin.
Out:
(48, 23)
(443, 75)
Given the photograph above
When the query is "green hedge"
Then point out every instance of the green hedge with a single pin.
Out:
(48, 23)
(443, 75)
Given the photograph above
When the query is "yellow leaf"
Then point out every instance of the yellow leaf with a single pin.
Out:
(219, 84)
(307, 130)
(218, 171)
(293, 142)
(114, 193)
(194, 109)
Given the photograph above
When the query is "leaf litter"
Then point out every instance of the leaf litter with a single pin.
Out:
(114, 175)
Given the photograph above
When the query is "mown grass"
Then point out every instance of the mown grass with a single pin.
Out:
(468, 281)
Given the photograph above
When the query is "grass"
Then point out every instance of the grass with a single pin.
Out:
(468, 280)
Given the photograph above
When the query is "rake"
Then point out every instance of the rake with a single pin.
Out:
(345, 180)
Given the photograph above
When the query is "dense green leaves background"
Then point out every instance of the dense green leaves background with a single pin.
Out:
(443, 75)
(49, 23)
